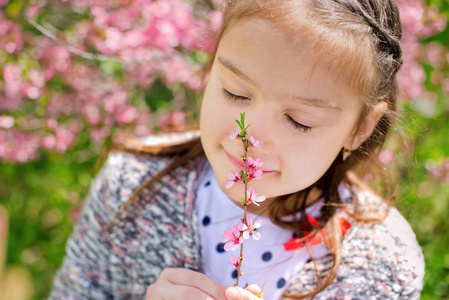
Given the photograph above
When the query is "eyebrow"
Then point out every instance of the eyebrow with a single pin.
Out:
(316, 102)
(229, 65)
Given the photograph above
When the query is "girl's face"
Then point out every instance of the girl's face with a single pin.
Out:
(303, 114)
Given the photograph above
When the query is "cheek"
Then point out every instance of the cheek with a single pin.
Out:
(211, 122)
(217, 114)
(310, 160)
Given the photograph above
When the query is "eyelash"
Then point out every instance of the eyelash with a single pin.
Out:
(298, 126)
(235, 98)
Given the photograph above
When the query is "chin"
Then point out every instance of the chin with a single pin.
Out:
(235, 193)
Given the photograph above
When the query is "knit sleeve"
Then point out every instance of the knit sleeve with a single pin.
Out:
(383, 261)
(85, 270)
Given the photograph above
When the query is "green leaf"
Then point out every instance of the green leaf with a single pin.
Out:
(261, 291)
(158, 96)
(242, 119)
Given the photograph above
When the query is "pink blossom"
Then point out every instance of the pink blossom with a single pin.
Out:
(254, 174)
(92, 114)
(253, 142)
(100, 16)
(440, 172)
(75, 126)
(142, 75)
(7, 103)
(36, 78)
(64, 139)
(234, 177)
(57, 57)
(253, 164)
(115, 100)
(32, 11)
(235, 134)
(434, 54)
(253, 171)
(18, 146)
(12, 75)
(235, 261)
(177, 69)
(31, 92)
(386, 156)
(6, 122)
(446, 86)
(126, 115)
(216, 19)
(113, 41)
(411, 78)
(122, 18)
(252, 197)
(233, 238)
(195, 82)
(133, 38)
(173, 119)
(51, 123)
(433, 20)
(48, 142)
(98, 135)
(250, 227)
(11, 38)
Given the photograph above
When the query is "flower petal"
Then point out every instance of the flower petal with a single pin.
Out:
(256, 235)
(229, 184)
(242, 227)
(231, 176)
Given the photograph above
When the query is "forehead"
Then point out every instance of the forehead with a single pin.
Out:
(347, 54)
(270, 57)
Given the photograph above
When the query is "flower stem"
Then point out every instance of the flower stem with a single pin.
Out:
(245, 146)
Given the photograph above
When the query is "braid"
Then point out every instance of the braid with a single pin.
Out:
(383, 18)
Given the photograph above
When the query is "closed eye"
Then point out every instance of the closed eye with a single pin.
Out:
(298, 126)
(232, 97)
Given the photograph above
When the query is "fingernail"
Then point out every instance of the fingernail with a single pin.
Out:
(231, 293)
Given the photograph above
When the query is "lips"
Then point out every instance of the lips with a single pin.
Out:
(238, 163)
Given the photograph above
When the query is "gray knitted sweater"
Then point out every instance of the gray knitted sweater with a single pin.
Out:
(380, 261)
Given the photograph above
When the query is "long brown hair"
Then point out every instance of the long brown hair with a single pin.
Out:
(359, 39)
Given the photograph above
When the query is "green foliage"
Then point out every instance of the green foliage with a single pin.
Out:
(424, 201)
(39, 197)
(158, 96)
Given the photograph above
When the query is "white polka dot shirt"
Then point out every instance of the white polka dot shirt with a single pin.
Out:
(268, 263)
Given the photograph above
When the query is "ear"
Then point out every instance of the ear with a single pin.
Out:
(367, 127)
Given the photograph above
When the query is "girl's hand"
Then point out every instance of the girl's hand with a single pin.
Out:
(237, 293)
(187, 284)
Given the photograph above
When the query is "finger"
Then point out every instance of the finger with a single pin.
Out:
(168, 291)
(194, 279)
(254, 289)
(237, 293)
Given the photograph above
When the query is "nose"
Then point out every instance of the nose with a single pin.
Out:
(261, 130)
(266, 148)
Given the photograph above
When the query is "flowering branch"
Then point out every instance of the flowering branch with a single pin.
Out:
(241, 232)
(72, 49)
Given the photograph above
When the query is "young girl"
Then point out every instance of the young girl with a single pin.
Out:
(316, 80)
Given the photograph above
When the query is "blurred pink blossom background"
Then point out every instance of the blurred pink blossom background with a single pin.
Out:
(63, 79)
